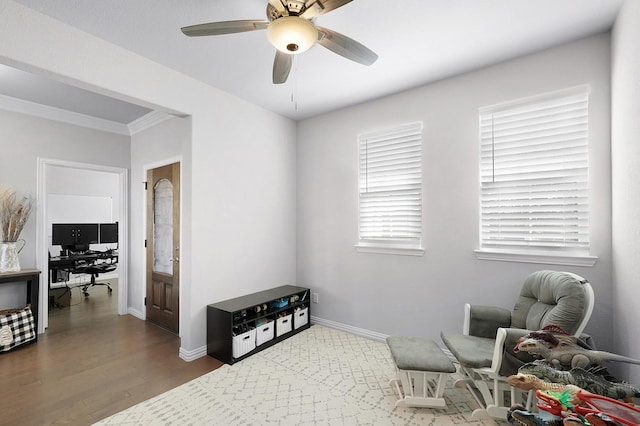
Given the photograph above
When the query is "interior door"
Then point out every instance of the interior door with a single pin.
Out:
(163, 249)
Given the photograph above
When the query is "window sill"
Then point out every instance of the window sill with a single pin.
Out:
(389, 249)
(545, 258)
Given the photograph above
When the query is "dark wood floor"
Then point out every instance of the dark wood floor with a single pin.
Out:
(91, 363)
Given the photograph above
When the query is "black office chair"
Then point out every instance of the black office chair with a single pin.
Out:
(94, 269)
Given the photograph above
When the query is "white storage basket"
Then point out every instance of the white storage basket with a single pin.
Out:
(283, 325)
(264, 333)
(244, 343)
(300, 318)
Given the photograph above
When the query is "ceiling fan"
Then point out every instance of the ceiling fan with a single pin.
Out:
(291, 30)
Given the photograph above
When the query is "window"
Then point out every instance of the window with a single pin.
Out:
(390, 190)
(534, 176)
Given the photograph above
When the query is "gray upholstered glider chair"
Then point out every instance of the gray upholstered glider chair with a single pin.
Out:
(484, 350)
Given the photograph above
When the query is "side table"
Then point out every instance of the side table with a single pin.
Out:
(31, 277)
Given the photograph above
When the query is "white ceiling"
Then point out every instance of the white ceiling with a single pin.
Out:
(39, 90)
(418, 41)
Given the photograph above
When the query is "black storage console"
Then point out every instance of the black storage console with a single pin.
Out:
(238, 328)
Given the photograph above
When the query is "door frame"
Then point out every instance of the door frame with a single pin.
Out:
(143, 278)
(42, 246)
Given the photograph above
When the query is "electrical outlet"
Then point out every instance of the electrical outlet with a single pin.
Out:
(314, 297)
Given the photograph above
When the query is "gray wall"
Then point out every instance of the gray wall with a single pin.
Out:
(149, 148)
(626, 185)
(239, 187)
(24, 139)
(244, 166)
(238, 222)
(244, 207)
(391, 294)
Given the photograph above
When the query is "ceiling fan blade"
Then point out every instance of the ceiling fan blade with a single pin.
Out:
(224, 27)
(346, 47)
(319, 7)
(281, 67)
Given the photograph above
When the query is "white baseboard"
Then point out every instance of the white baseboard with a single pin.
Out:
(108, 276)
(192, 355)
(182, 352)
(136, 313)
(202, 351)
(76, 281)
(373, 335)
(350, 329)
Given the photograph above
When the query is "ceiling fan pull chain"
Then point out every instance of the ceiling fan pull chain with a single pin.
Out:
(295, 86)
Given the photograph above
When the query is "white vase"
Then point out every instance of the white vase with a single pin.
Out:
(9, 261)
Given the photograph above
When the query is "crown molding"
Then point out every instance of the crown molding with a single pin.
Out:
(147, 121)
(57, 114)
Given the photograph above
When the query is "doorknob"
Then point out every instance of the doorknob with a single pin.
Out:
(177, 260)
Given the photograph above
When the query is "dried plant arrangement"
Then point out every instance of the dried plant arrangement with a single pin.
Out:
(14, 214)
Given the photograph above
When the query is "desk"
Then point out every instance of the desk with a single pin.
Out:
(32, 279)
(70, 262)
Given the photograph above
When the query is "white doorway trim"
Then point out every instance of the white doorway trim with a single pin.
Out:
(42, 248)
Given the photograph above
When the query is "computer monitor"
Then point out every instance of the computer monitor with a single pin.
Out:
(87, 233)
(74, 236)
(63, 234)
(108, 233)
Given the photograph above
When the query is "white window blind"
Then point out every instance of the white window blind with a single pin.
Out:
(390, 183)
(534, 172)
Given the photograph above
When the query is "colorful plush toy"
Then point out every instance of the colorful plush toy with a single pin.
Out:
(561, 349)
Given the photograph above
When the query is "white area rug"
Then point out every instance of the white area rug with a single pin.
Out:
(321, 376)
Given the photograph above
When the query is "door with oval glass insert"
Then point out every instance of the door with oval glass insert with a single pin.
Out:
(163, 249)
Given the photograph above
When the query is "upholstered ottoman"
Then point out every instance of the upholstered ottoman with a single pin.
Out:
(422, 370)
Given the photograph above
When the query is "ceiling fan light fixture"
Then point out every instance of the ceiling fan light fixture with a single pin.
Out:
(292, 34)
